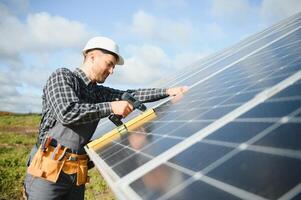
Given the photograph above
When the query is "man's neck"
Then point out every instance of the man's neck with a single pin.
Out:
(87, 71)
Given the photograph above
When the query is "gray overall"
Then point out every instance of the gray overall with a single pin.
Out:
(74, 137)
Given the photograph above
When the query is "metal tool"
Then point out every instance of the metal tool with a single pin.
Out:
(56, 150)
(45, 143)
(116, 119)
(63, 154)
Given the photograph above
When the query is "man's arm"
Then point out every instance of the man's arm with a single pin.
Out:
(149, 95)
(154, 94)
(123, 108)
(144, 95)
(107, 94)
(61, 94)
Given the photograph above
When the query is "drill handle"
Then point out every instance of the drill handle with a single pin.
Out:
(116, 119)
(132, 100)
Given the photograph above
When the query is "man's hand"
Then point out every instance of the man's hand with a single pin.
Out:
(176, 90)
(121, 108)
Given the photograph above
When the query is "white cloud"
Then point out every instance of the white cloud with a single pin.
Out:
(231, 7)
(143, 24)
(214, 30)
(20, 82)
(148, 65)
(244, 12)
(184, 59)
(274, 10)
(150, 27)
(40, 32)
(21, 89)
(30, 50)
(235, 12)
(26, 102)
(151, 63)
(8, 90)
(55, 31)
(17, 97)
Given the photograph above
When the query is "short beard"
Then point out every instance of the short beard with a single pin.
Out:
(100, 82)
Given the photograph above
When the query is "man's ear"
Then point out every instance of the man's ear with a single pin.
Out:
(92, 56)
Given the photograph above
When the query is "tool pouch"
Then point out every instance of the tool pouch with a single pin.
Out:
(82, 172)
(78, 166)
(44, 167)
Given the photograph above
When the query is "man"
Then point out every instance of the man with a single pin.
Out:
(73, 104)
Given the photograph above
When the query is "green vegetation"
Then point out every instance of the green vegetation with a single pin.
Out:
(14, 149)
(20, 120)
(97, 188)
(17, 136)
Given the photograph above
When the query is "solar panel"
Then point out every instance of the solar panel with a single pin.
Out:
(234, 135)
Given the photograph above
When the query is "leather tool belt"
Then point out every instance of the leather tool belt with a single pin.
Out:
(49, 161)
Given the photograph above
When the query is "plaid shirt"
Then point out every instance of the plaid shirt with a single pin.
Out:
(72, 99)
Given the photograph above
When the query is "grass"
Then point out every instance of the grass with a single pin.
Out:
(17, 136)
(20, 120)
(14, 150)
(97, 188)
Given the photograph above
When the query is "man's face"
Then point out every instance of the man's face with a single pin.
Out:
(103, 66)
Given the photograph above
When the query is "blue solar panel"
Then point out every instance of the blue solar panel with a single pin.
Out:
(234, 135)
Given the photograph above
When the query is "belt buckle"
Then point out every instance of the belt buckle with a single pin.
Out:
(72, 158)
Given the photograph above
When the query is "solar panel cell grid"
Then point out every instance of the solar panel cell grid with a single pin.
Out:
(238, 132)
(222, 140)
(255, 172)
(240, 168)
(287, 136)
(200, 189)
(200, 155)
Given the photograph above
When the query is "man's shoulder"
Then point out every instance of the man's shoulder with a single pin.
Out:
(62, 73)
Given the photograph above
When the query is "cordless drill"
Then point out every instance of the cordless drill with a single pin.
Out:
(116, 119)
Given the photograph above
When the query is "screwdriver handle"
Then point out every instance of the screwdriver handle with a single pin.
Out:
(116, 119)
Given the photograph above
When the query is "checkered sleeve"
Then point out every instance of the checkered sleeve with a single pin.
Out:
(108, 94)
(63, 98)
(144, 95)
(149, 95)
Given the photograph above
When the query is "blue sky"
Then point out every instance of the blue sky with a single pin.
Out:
(157, 38)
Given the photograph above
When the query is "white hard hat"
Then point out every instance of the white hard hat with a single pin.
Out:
(106, 44)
